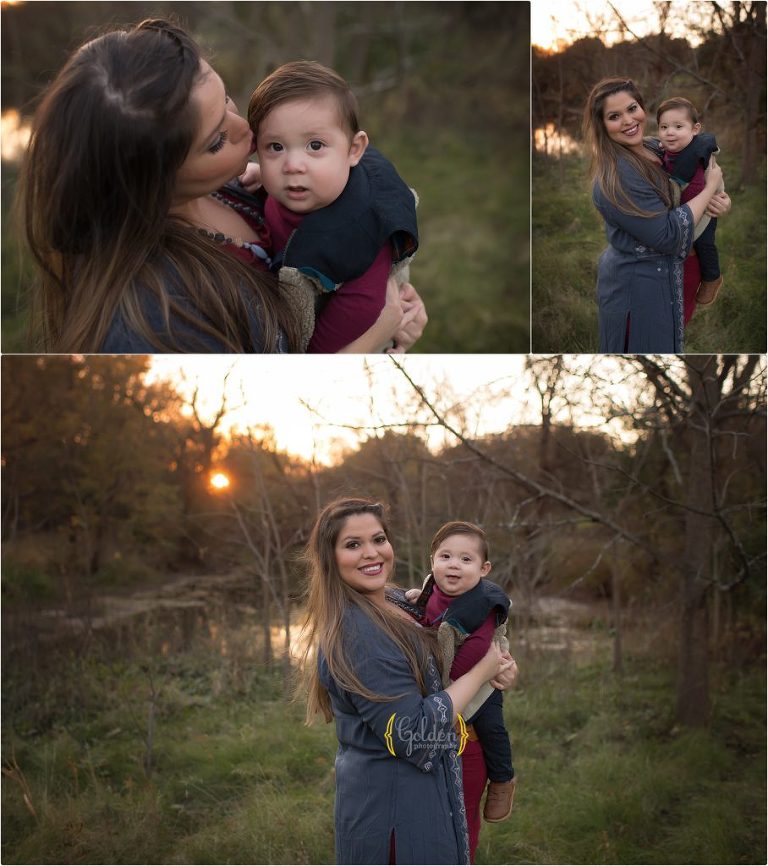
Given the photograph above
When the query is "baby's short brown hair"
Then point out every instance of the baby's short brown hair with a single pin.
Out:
(678, 102)
(303, 79)
(460, 527)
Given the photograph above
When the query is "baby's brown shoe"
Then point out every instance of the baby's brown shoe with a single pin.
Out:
(499, 801)
(707, 292)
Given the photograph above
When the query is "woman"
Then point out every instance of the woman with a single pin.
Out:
(398, 778)
(640, 275)
(138, 246)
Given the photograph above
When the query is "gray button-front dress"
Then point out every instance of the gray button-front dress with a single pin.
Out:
(398, 774)
(640, 275)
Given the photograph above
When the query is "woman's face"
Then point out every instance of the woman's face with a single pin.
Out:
(624, 119)
(364, 555)
(222, 145)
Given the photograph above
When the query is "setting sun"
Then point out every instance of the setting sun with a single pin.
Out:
(219, 481)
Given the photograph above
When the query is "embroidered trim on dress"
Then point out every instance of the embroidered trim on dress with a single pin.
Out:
(458, 785)
(442, 707)
(683, 214)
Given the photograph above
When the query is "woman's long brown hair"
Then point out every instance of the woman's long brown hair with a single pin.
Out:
(326, 599)
(606, 153)
(109, 136)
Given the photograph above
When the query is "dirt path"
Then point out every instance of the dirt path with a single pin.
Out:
(183, 594)
(560, 625)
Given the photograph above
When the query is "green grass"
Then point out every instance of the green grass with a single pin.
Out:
(568, 236)
(236, 779)
(605, 775)
(472, 265)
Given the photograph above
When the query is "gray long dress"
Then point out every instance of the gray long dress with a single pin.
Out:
(414, 794)
(640, 275)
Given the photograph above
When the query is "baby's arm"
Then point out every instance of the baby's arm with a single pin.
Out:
(474, 647)
(353, 308)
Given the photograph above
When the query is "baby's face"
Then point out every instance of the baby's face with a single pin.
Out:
(676, 129)
(305, 154)
(458, 564)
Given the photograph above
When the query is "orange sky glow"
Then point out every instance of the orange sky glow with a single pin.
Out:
(311, 407)
(555, 26)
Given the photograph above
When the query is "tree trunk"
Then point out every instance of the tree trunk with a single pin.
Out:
(616, 574)
(755, 66)
(693, 664)
(266, 620)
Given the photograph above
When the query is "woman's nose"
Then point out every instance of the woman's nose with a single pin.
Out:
(240, 125)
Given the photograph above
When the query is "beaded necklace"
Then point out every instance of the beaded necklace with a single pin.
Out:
(220, 238)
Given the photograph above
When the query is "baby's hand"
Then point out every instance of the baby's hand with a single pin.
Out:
(251, 177)
(412, 594)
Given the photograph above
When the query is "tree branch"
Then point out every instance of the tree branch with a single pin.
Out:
(522, 479)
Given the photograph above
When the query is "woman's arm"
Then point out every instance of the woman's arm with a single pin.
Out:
(665, 231)
(400, 722)
(490, 666)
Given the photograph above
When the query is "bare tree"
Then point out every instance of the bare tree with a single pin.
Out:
(704, 401)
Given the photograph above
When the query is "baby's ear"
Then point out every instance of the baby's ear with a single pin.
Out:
(485, 569)
(358, 147)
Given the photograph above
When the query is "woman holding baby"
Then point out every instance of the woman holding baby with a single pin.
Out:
(373, 669)
(141, 243)
(641, 275)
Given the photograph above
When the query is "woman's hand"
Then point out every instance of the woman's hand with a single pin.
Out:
(492, 663)
(379, 336)
(506, 678)
(700, 203)
(713, 175)
(414, 319)
(719, 205)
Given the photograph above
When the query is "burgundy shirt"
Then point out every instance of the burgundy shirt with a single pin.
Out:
(475, 646)
(697, 182)
(351, 309)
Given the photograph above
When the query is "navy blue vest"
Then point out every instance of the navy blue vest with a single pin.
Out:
(340, 242)
(470, 610)
(696, 153)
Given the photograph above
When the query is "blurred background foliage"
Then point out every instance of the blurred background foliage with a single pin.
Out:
(720, 66)
(145, 650)
(443, 91)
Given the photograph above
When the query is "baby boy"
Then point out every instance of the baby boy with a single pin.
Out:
(468, 610)
(337, 210)
(687, 153)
